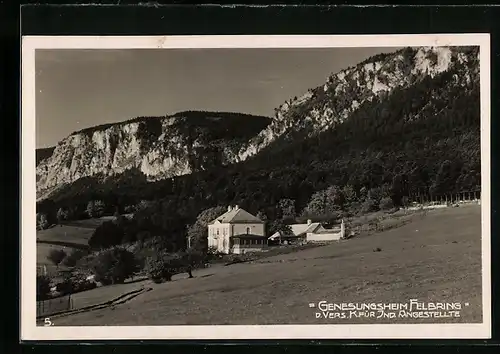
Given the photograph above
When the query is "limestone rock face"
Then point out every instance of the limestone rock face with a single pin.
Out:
(165, 147)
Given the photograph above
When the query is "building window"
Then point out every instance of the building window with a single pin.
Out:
(217, 232)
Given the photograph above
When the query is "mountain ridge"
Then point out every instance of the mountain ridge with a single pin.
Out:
(318, 110)
(160, 147)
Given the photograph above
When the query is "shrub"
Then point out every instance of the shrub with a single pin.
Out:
(95, 208)
(74, 283)
(56, 256)
(42, 287)
(386, 204)
(113, 266)
(82, 284)
(65, 287)
(42, 221)
(72, 259)
(62, 214)
(163, 266)
(369, 205)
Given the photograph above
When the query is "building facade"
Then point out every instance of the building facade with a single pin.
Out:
(309, 232)
(236, 221)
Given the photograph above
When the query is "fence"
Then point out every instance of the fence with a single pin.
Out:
(51, 306)
(424, 198)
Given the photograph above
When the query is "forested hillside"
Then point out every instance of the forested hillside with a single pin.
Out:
(424, 139)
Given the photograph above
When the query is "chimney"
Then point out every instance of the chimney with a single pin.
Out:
(229, 208)
(236, 207)
(309, 221)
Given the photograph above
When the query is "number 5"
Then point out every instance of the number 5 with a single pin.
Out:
(47, 322)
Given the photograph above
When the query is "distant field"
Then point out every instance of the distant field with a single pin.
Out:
(89, 223)
(71, 235)
(436, 257)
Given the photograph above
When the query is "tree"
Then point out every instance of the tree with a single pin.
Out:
(114, 265)
(399, 188)
(42, 221)
(56, 256)
(325, 202)
(42, 287)
(72, 258)
(286, 208)
(445, 178)
(279, 226)
(162, 266)
(62, 214)
(193, 258)
(95, 208)
(197, 233)
(386, 204)
(106, 235)
(369, 205)
(262, 216)
(349, 194)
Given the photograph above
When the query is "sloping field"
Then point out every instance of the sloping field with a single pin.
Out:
(69, 236)
(433, 259)
(59, 237)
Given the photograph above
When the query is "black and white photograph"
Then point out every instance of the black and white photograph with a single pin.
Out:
(256, 187)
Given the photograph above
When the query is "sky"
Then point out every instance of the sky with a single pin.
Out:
(76, 89)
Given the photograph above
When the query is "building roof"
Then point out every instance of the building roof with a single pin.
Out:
(297, 230)
(237, 216)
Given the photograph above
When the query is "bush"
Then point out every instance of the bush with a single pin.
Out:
(42, 221)
(163, 266)
(369, 205)
(62, 214)
(65, 287)
(74, 283)
(83, 285)
(72, 259)
(95, 208)
(386, 204)
(113, 266)
(56, 256)
(42, 287)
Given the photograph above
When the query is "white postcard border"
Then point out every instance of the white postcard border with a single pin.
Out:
(29, 330)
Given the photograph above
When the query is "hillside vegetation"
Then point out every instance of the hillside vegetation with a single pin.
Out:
(422, 138)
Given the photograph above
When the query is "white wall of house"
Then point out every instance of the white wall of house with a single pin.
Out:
(240, 249)
(324, 237)
(218, 236)
(334, 234)
(219, 233)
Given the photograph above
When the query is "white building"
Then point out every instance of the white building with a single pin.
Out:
(326, 235)
(299, 232)
(236, 231)
(310, 232)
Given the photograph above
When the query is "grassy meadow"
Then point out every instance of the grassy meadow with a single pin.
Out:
(434, 258)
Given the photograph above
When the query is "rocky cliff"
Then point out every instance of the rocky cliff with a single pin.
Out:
(160, 147)
(191, 141)
(324, 107)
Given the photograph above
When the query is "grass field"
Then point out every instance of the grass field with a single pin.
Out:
(435, 258)
(66, 237)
